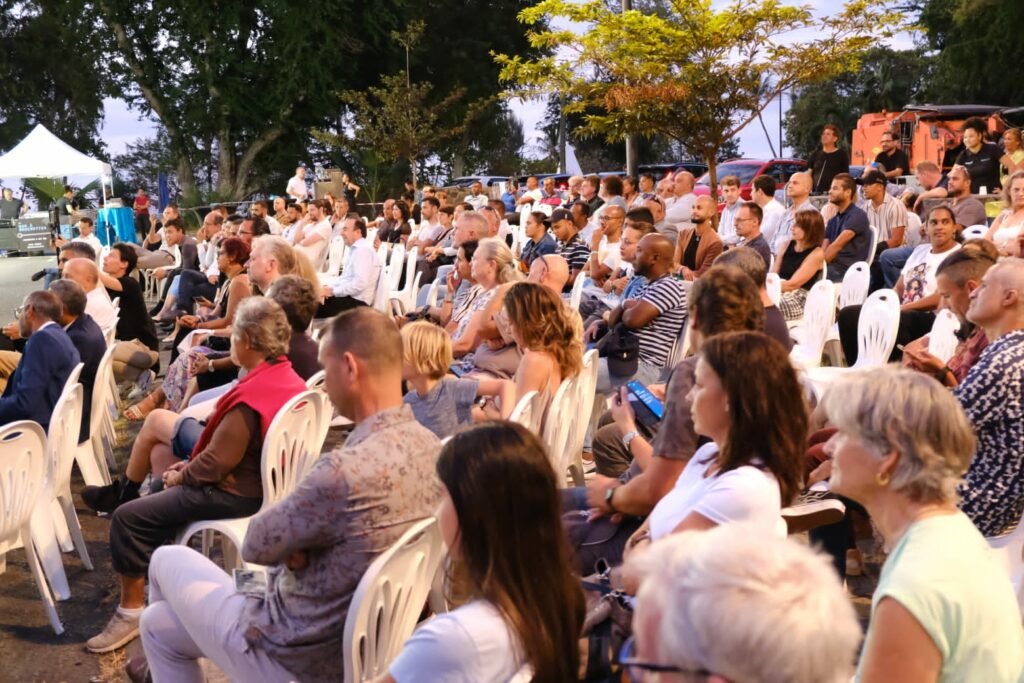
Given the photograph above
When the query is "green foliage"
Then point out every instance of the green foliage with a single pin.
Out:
(48, 190)
(141, 164)
(886, 80)
(48, 74)
(977, 49)
(697, 74)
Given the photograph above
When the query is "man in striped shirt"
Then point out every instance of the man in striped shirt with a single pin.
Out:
(656, 315)
(571, 246)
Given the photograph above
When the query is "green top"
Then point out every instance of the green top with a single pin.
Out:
(944, 573)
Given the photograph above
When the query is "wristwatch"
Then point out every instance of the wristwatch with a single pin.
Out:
(209, 368)
(608, 495)
(628, 437)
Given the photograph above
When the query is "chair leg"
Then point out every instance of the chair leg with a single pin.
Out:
(232, 558)
(85, 456)
(40, 579)
(76, 530)
(44, 540)
(60, 527)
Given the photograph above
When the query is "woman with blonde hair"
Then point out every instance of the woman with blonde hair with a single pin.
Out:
(493, 267)
(1006, 228)
(551, 347)
(944, 608)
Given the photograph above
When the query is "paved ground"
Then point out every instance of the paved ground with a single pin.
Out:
(15, 282)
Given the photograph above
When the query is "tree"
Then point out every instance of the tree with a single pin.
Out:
(232, 79)
(142, 163)
(887, 80)
(49, 74)
(974, 44)
(695, 73)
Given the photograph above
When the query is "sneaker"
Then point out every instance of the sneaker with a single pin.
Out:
(813, 509)
(120, 631)
(38, 276)
(108, 498)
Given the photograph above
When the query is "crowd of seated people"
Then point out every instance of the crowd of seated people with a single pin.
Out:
(685, 508)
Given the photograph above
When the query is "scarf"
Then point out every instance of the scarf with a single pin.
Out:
(265, 389)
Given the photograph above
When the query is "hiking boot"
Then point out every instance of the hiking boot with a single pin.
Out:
(120, 631)
(108, 498)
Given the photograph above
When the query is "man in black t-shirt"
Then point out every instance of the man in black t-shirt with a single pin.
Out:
(136, 351)
(827, 161)
(892, 159)
(66, 208)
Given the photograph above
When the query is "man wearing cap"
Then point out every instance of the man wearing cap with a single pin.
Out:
(884, 211)
(570, 246)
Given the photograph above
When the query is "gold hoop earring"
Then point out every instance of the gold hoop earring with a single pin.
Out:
(882, 478)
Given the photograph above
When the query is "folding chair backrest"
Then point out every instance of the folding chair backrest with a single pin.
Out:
(856, 281)
(62, 437)
(876, 328)
(22, 469)
(774, 287)
(819, 314)
(388, 601)
(942, 339)
(290, 447)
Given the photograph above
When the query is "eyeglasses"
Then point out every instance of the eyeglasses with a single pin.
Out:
(19, 310)
(634, 668)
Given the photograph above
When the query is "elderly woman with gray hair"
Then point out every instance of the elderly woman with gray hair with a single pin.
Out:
(220, 476)
(734, 604)
(944, 609)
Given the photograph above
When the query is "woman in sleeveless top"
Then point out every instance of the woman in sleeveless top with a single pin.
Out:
(799, 267)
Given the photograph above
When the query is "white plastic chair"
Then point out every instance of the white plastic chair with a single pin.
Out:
(22, 458)
(912, 235)
(432, 293)
(1009, 551)
(317, 383)
(942, 339)
(856, 282)
(289, 451)
(577, 292)
(774, 287)
(406, 296)
(95, 453)
(336, 255)
(819, 314)
(380, 297)
(371, 234)
(394, 267)
(528, 411)
(560, 428)
(975, 232)
(872, 244)
(585, 388)
(61, 447)
(388, 601)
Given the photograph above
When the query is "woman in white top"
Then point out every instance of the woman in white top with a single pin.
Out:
(500, 518)
(748, 401)
(1005, 230)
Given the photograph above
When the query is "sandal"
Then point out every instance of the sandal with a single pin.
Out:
(137, 412)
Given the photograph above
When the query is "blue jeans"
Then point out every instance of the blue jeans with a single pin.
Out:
(892, 262)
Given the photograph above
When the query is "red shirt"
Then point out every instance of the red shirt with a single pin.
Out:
(141, 204)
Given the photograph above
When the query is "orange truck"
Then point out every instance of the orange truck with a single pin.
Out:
(924, 132)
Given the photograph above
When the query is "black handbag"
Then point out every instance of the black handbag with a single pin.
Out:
(621, 347)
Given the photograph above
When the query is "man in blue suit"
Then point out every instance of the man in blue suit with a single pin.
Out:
(49, 358)
(87, 337)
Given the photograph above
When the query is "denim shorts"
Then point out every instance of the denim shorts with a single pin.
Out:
(186, 435)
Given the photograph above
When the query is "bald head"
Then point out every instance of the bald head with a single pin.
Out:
(84, 272)
(704, 209)
(552, 271)
(653, 256)
(799, 186)
(998, 304)
(683, 183)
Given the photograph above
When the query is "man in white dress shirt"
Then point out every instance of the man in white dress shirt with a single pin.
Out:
(762, 192)
(97, 303)
(476, 197)
(729, 186)
(358, 280)
(296, 188)
(679, 207)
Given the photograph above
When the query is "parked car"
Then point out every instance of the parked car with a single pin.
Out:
(748, 169)
(486, 180)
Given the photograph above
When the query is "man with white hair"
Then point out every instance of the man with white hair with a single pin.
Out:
(730, 604)
(271, 257)
(992, 395)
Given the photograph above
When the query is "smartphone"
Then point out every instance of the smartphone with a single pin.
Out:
(649, 410)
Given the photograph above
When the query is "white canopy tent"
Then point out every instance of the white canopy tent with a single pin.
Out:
(43, 155)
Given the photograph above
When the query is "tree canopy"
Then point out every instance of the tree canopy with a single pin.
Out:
(693, 72)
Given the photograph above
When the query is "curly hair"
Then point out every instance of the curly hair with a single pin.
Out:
(543, 324)
(236, 250)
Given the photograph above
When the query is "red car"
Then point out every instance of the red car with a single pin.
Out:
(747, 169)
